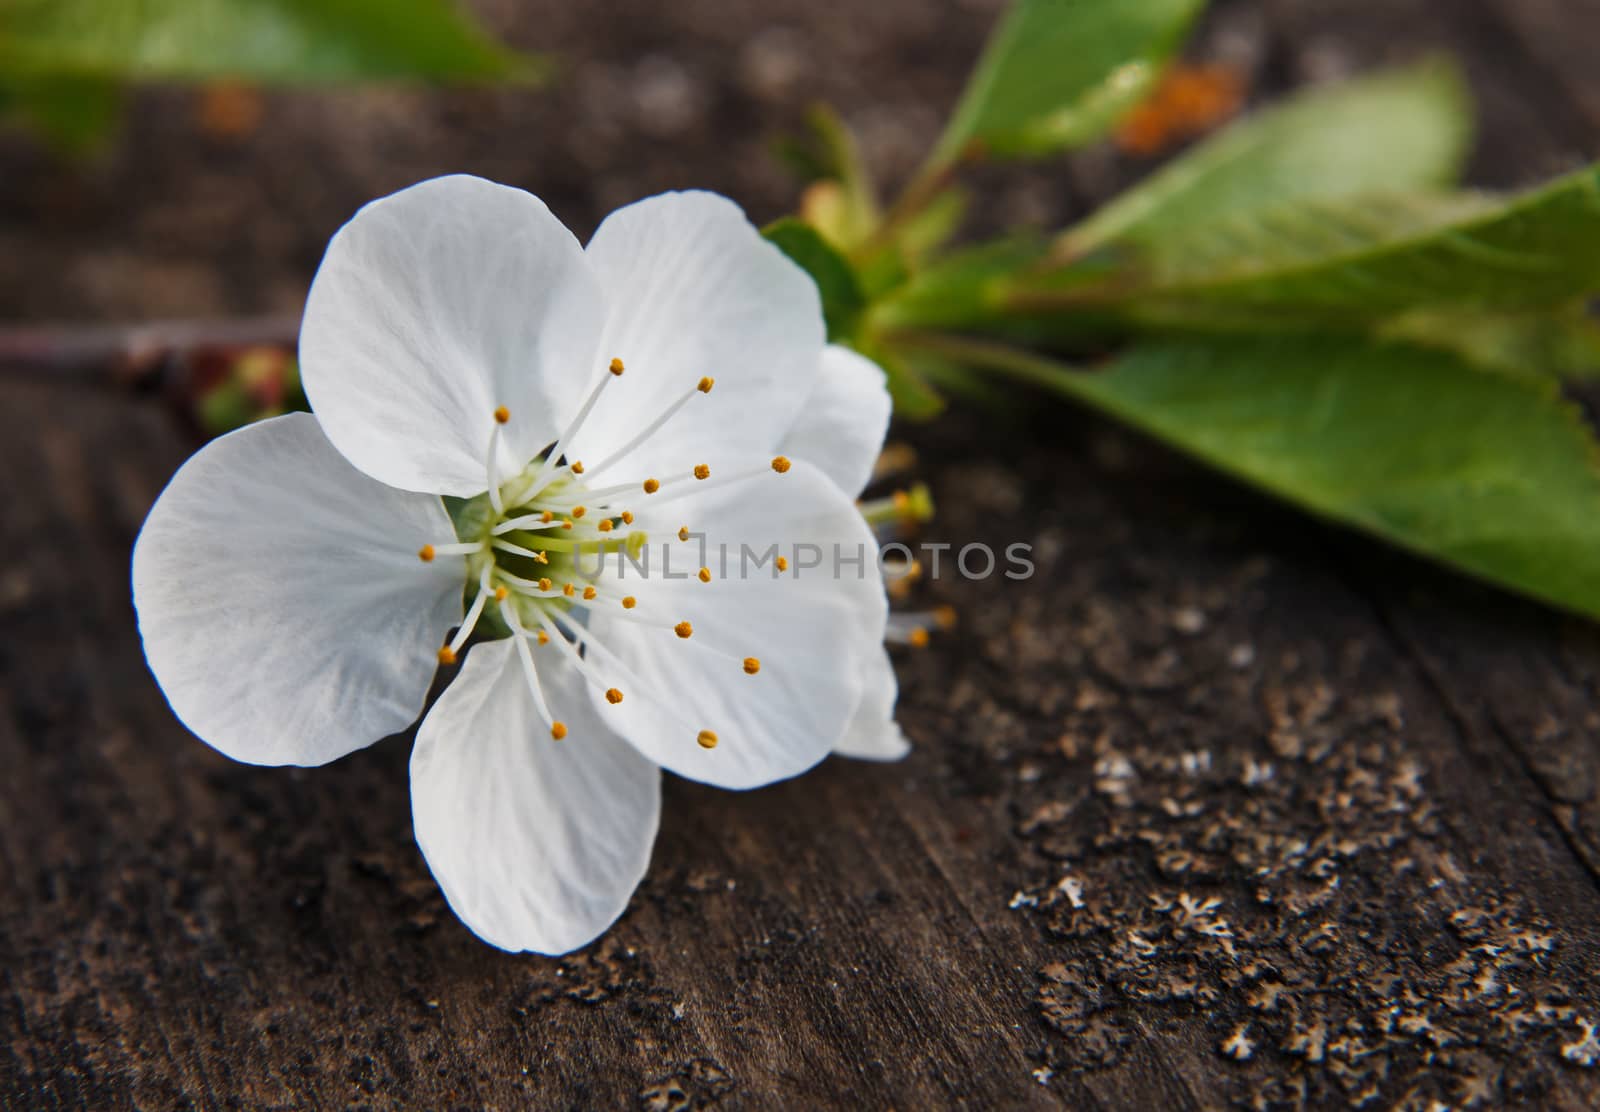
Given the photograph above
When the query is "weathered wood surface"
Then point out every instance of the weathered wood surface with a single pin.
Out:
(1221, 807)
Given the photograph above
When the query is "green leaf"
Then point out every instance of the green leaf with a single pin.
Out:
(842, 203)
(1564, 344)
(1059, 73)
(1389, 254)
(913, 396)
(837, 284)
(1491, 474)
(257, 40)
(73, 113)
(1401, 131)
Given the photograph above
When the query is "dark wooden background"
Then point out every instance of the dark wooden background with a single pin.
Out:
(1222, 807)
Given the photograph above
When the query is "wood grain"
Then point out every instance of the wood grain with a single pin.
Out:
(1220, 808)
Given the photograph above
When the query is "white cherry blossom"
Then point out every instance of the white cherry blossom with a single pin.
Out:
(502, 416)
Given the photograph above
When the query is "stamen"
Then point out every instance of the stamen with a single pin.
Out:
(588, 594)
(528, 522)
(701, 387)
(629, 602)
(525, 655)
(613, 696)
(627, 517)
(491, 466)
(558, 730)
(428, 551)
(605, 525)
(577, 467)
(682, 487)
(514, 549)
(544, 638)
(470, 622)
(683, 533)
(501, 415)
(551, 469)
(545, 585)
(707, 739)
(683, 630)
(579, 511)
(781, 464)
(751, 665)
(447, 655)
(501, 593)
(569, 590)
(705, 575)
(783, 563)
(918, 638)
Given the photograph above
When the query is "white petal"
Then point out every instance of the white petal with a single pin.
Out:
(537, 843)
(695, 291)
(841, 426)
(282, 605)
(872, 734)
(435, 306)
(813, 631)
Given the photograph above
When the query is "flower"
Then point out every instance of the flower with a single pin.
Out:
(501, 417)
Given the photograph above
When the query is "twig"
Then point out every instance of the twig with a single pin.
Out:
(130, 353)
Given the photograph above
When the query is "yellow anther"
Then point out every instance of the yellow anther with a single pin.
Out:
(579, 511)
(447, 655)
(569, 590)
(751, 665)
(627, 517)
(547, 517)
(540, 557)
(783, 563)
(705, 575)
(589, 593)
(651, 486)
(577, 467)
(707, 739)
(566, 523)
(543, 637)
(683, 533)
(502, 415)
(605, 525)
(915, 571)
(705, 384)
(945, 616)
(613, 696)
(544, 585)
(918, 638)
(684, 630)
(629, 602)
(558, 730)
(425, 554)
(701, 471)
(901, 500)
(781, 464)
(501, 593)
(616, 366)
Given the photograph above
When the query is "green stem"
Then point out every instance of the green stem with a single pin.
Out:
(926, 184)
(1003, 358)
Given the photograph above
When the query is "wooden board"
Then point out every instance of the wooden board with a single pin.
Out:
(1221, 807)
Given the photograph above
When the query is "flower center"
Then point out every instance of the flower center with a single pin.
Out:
(543, 547)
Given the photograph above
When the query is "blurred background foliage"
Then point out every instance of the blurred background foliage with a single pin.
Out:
(64, 63)
(1303, 296)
